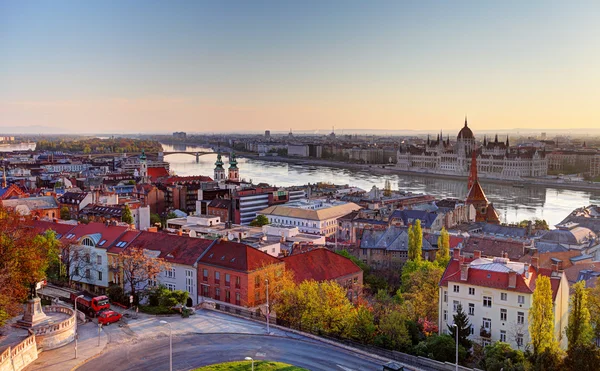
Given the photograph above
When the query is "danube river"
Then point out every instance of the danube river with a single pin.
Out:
(513, 204)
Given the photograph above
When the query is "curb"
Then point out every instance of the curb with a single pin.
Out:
(95, 355)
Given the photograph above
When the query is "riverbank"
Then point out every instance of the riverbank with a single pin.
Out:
(392, 170)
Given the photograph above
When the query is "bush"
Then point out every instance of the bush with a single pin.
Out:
(441, 348)
(116, 294)
(149, 309)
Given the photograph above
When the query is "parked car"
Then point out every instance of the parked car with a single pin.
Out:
(109, 316)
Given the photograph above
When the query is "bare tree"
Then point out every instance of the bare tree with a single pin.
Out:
(516, 333)
(138, 266)
(78, 262)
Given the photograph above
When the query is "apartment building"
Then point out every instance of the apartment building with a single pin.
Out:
(496, 293)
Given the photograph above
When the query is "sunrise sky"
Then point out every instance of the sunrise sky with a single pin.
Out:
(161, 66)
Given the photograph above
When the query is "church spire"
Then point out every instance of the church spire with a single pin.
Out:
(485, 141)
(473, 172)
(465, 120)
(507, 144)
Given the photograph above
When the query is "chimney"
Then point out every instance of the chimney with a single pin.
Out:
(554, 267)
(476, 254)
(526, 270)
(456, 253)
(464, 272)
(179, 232)
(512, 279)
(534, 262)
(505, 255)
(559, 265)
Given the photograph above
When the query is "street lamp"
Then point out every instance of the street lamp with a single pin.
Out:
(250, 359)
(99, 330)
(76, 335)
(268, 310)
(170, 344)
(456, 330)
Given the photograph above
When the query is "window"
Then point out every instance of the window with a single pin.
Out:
(256, 281)
(99, 276)
(237, 298)
(87, 273)
(487, 324)
(471, 309)
(237, 282)
(170, 273)
(520, 318)
(227, 296)
(227, 279)
(503, 336)
(205, 275)
(445, 296)
(217, 293)
(189, 281)
(521, 299)
(217, 277)
(502, 314)
(471, 291)
(503, 296)
(487, 301)
(445, 315)
(98, 259)
(205, 291)
(170, 286)
(456, 304)
(520, 340)
(456, 288)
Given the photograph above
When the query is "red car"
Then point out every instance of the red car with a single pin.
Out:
(109, 316)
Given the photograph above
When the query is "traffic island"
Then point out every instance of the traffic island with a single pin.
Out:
(247, 366)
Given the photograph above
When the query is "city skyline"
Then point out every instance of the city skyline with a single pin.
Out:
(195, 66)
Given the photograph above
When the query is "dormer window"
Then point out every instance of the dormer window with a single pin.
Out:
(87, 242)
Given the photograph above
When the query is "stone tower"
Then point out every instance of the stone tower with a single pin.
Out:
(219, 170)
(143, 167)
(234, 172)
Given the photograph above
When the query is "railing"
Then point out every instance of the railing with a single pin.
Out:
(5, 355)
(66, 324)
(485, 333)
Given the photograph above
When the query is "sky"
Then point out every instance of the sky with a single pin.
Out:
(163, 66)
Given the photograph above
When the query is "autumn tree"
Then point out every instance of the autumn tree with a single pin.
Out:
(420, 289)
(363, 327)
(126, 216)
(594, 308)
(443, 254)
(25, 257)
(579, 331)
(415, 241)
(65, 214)
(463, 326)
(541, 318)
(393, 333)
(138, 267)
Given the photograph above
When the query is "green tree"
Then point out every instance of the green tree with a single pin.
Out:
(415, 241)
(441, 348)
(155, 219)
(594, 308)
(461, 320)
(126, 217)
(364, 328)
(501, 357)
(541, 319)
(579, 329)
(420, 289)
(443, 254)
(259, 221)
(65, 214)
(582, 358)
(393, 333)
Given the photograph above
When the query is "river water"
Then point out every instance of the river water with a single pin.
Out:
(513, 204)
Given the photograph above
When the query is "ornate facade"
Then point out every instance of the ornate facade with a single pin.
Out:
(495, 159)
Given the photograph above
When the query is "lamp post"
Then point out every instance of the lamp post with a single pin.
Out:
(250, 359)
(456, 330)
(76, 319)
(268, 309)
(170, 344)
(99, 330)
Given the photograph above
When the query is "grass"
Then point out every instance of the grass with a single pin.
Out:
(247, 366)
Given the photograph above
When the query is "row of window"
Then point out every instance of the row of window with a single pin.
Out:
(217, 295)
(487, 328)
(217, 278)
(503, 312)
(503, 296)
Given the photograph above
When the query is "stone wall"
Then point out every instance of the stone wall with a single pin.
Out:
(58, 334)
(19, 356)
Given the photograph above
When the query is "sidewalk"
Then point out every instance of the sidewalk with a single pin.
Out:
(63, 358)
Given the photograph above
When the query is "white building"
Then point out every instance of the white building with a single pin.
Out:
(496, 294)
(310, 216)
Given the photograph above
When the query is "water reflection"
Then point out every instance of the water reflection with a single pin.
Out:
(513, 204)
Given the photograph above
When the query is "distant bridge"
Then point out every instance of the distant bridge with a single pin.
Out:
(150, 154)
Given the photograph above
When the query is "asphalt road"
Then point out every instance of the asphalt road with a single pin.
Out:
(190, 351)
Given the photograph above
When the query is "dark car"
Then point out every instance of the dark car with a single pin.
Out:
(109, 316)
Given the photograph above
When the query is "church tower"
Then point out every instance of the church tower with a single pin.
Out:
(219, 170)
(234, 172)
(143, 167)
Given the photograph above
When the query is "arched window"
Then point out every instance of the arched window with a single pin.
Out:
(87, 242)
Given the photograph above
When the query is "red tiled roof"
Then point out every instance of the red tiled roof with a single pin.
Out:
(157, 172)
(59, 228)
(174, 249)
(497, 280)
(476, 194)
(495, 247)
(186, 179)
(319, 265)
(109, 233)
(237, 256)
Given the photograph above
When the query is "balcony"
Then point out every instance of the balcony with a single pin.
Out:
(484, 333)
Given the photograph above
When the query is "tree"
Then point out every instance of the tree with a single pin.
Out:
(464, 327)
(138, 267)
(126, 216)
(584, 357)
(393, 332)
(387, 189)
(65, 214)
(501, 357)
(415, 242)
(441, 348)
(259, 221)
(77, 262)
(594, 308)
(420, 288)
(363, 328)
(155, 219)
(25, 258)
(541, 318)
(443, 254)
(579, 331)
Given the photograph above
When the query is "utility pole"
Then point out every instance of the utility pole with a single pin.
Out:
(268, 309)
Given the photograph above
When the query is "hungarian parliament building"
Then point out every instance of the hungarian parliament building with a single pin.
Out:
(495, 159)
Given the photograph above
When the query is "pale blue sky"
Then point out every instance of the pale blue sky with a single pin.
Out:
(202, 66)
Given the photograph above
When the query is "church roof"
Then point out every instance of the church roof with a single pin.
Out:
(476, 194)
(465, 132)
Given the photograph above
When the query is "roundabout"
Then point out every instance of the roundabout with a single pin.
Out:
(191, 352)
